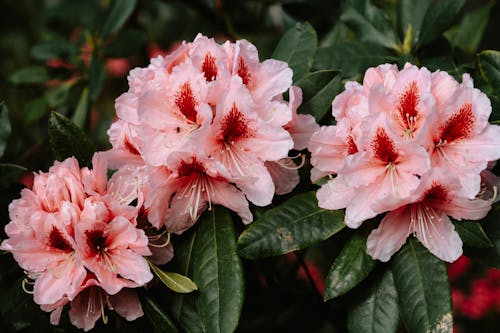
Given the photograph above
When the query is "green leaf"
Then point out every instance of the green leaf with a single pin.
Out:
(80, 113)
(175, 281)
(66, 140)
(51, 49)
(350, 268)
(488, 256)
(423, 289)
(35, 109)
(119, 13)
(97, 75)
(10, 174)
(439, 16)
(157, 317)
(297, 47)
(319, 89)
(29, 75)
(218, 273)
(376, 311)
(295, 224)
(472, 234)
(370, 23)
(469, 32)
(5, 127)
(489, 67)
(411, 13)
(125, 44)
(58, 95)
(352, 58)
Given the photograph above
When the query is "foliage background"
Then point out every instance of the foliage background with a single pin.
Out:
(73, 56)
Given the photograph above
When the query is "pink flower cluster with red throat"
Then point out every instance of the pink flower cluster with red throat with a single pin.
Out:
(208, 125)
(77, 238)
(413, 144)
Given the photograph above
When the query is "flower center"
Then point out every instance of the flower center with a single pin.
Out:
(384, 148)
(186, 102)
(96, 241)
(194, 167)
(436, 192)
(234, 126)
(209, 68)
(58, 241)
(407, 108)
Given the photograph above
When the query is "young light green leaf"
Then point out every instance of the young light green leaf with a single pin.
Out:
(5, 127)
(439, 16)
(29, 75)
(411, 13)
(319, 89)
(376, 310)
(489, 67)
(472, 234)
(175, 281)
(297, 47)
(10, 174)
(423, 289)
(350, 268)
(218, 273)
(66, 140)
(119, 13)
(160, 321)
(295, 224)
(80, 113)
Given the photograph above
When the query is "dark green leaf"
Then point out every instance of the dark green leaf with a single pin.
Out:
(35, 109)
(29, 75)
(80, 113)
(411, 13)
(489, 256)
(439, 16)
(97, 75)
(489, 66)
(423, 289)
(118, 15)
(472, 234)
(350, 268)
(159, 320)
(51, 49)
(125, 44)
(293, 225)
(58, 95)
(353, 58)
(377, 310)
(4, 127)
(469, 32)
(370, 23)
(218, 273)
(175, 281)
(297, 47)
(66, 140)
(10, 174)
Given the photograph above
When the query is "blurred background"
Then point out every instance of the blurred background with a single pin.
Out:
(60, 55)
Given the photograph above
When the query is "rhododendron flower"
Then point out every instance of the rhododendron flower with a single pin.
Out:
(413, 144)
(76, 229)
(222, 100)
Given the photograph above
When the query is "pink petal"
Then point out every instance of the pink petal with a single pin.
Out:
(127, 304)
(230, 197)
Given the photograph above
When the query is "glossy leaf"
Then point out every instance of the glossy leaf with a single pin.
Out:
(489, 67)
(439, 16)
(411, 13)
(119, 12)
(29, 75)
(66, 140)
(350, 268)
(218, 273)
(160, 321)
(175, 281)
(295, 224)
(297, 47)
(10, 174)
(423, 289)
(377, 309)
(5, 127)
(472, 234)
(319, 89)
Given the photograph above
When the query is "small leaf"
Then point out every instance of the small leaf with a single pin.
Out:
(5, 127)
(472, 234)
(295, 224)
(66, 140)
(350, 268)
(218, 273)
(376, 311)
(97, 75)
(297, 47)
(423, 289)
(439, 16)
(175, 281)
(80, 113)
(10, 174)
(125, 44)
(159, 320)
(119, 13)
(489, 67)
(29, 75)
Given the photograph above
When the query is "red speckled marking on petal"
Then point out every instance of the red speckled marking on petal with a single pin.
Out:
(234, 126)
(383, 147)
(188, 168)
(96, 240)
(209, 68)
(130, 147)
(459, 126)
(436, 192)
(408, 102)
(186, 102)
(243, 71)
(58, 241)
(351, 145)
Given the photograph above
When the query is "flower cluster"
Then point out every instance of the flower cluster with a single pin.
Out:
(411, 143)
(205, 125)
(78, 239)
